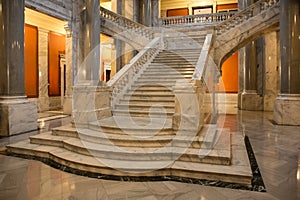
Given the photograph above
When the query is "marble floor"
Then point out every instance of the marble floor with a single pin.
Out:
(276, 149)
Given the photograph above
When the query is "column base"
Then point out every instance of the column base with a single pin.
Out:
(18, 115)
(287, 110)
(250, 101)
(43, 104)
(67, 107)
(91, 103)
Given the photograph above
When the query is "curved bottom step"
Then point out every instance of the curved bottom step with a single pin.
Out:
(238, 172)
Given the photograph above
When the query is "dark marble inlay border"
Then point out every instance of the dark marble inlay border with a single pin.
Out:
(257, 181)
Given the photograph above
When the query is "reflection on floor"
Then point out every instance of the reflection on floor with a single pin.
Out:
(276, 149)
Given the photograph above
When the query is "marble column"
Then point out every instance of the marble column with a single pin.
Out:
(92, 40)
(287, 105)
(155, 12)
(271, 70)
(147, 13)
(17, 114)
(249, 99)
(43, 99)
(119, 45)
(136, 11)
(67, 106)
(242, 4)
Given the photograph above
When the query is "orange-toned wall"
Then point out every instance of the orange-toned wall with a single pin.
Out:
(230, 74)
(227, 6)
(31, 60)
(57, 45)
(177, 12)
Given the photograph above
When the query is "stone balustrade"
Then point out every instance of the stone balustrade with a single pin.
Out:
(129, 73)
(245, 15)
(127, 23)
(196, 19)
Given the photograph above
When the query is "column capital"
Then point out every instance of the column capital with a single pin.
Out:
(68, 29)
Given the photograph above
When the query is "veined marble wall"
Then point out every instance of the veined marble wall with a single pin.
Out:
(67, 105)
(43, 99)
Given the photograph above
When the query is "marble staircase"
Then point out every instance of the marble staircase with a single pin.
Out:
(132, 155)
(139, 138)
(152, 93)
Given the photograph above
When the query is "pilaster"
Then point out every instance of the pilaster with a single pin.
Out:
(43, 99)
(67, 106)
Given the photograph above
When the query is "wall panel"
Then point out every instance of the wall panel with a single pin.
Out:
(57, 46)
(31, 61)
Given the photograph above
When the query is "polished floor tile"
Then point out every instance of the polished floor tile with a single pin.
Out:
(276, 149)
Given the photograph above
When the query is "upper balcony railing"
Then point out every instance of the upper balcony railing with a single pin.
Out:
(245, 15)
(196, 19)
(127, 23)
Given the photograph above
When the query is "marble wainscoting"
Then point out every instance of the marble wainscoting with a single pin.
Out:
(55, 103)
(287, 110)
(17, 115)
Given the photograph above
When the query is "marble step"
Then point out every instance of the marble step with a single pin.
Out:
(135, 126)
(147, 103)
(141, 113)
(150, 95)
(184, 139)
(161, 82)
(152, 84)
(238, 172)
(215, 156)
(183, 52)
(177, 56)
(206, 138)
(158, 73)
(172, 61)
(168, 108)
(219, 153)
(179, 66)
(187, 35)
(164, 76)
(150, 88)
(152, 98)
(150, 92)
(175, 64)
(169, 69)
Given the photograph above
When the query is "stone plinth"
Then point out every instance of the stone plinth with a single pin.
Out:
(188, 107)
(251, 101)
(17, 115)
(287, 110)
(91, 103)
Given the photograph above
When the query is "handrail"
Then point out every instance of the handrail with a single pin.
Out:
(126, 23)
(127, 75)
(194, 19)
(203, 58)
(244, 15)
